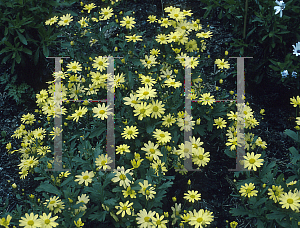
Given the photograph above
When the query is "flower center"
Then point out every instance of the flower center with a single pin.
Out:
(162, 135)
(199, 220)
(152, 151)
(74, 67)
(30, 222)
(122, 177)
(248, 190)
(290, 201)
(66, 21)
(85, 177)
(124, 208)
(146, 93)
(47, 221)
(147, 219)
(252, 161)
(200, 157)
(148, 62)
(52, 202)
(102, 112)
(142, 111)
(103, 162)
(155, 108)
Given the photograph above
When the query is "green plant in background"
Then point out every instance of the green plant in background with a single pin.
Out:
(25, 41)
(3, 138)
(258, 30)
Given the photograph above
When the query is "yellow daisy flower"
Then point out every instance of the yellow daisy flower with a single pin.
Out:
(158, 221)
(134, 38)
(129, 192)
(106, 13)
(191, 196)
(151, 149)
(199, 157)
(121, 176)
(144, 218)
(220, 123)
(102, 112)
(221, 64)
(201, 218)
(149, 61)
(152, 19)
(46, 221)
(290, 200)
(65, 20)
(5, 222)
(168, 120)
(28, 119)
(102, 162)
(100, 63)
(130, 132)
(51, 21)
(124, 208)
(74, 67)
(29, 221)
(85, 177)
(295, 101)
(162, 136)
(161, 39)
(146, 92)
(207, 99)
(252, 161)
(204, 34)
(127, 22)
(248, 190)
(89, 7)
(122, 148)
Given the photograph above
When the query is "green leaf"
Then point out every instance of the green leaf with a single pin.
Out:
(22, 38)
(27, 51)
(292, 134)
(239, 211)
(46, 187)
(150, 129)
(130, 80)
(264, 37)
(36, 56)
(45, 51)
(5, 31)
(230, 153)
(295, 155)
(98, 216)
(66, 181)
(275, 215)
(97, 132)
(18, 58)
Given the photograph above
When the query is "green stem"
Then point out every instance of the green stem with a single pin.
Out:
(245, 18)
